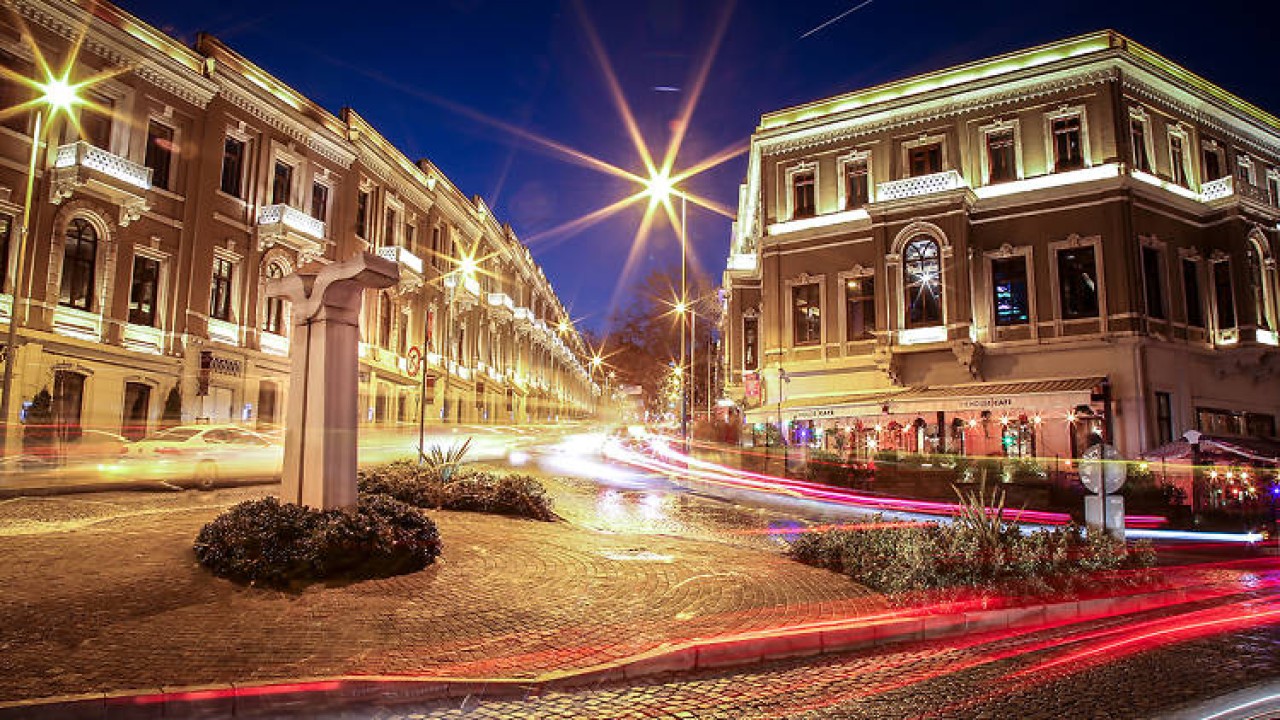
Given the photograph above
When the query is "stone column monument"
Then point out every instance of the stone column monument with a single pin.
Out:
(320, 419)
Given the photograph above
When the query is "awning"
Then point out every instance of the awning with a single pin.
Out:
(1238, 449)
(1057, 394)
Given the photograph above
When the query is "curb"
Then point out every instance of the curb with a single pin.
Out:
(135, 486)
(310, 694)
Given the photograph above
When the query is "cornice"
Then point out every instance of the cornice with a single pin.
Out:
(379, 167)
(885, 119)
(119, 48)
(335, 151)
(1220, 123)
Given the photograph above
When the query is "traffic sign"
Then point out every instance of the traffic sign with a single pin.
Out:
(1102, 463)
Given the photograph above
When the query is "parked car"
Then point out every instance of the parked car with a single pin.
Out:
(205, 453)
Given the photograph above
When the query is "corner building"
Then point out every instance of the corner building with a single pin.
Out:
(192, 178)
(989, 259)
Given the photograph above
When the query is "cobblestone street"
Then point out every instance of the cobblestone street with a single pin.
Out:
(974, 677)
(102, 592)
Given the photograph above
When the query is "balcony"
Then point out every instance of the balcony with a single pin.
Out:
(144, 339)
(465, 289)
(81, 167)
(273, 344)
(71, 322)
(1228, 188)
(523, 317)
(502, 306)
(411, 266)
(291, 228)
(224, 332)
(919, 186)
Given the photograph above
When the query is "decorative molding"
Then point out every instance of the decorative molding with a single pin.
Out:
(334, 151)
(969, 355)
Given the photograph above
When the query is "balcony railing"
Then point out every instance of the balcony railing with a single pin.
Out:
(273, 344)
(141, 338)
(502, 304)
(466, 289)
(82, 154)
(224, 332)
(1217, 189)
(919, 186)
(80, 166)
(407, 261)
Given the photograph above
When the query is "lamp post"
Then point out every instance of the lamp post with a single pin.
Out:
(56, 95)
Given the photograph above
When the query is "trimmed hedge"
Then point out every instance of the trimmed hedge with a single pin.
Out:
(896, 558)
(282, 545)
(470, 490)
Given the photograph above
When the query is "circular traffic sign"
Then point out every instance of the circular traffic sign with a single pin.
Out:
(1102, 463)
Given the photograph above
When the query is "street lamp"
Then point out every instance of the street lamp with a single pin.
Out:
(57, 94)
(660, 187)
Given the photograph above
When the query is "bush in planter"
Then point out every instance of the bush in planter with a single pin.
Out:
(469, 490)
(284, 545)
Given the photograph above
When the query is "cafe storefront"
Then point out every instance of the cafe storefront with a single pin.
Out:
(1034, 418)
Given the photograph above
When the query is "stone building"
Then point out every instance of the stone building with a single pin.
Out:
(162, 207)
(990, 258)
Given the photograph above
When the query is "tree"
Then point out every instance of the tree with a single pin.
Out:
(644, 340)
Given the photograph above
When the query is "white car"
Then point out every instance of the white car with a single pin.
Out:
(205, 454)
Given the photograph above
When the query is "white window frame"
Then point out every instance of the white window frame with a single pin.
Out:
(789, 186)
(753, 314)
(1188, 167)
(1166, 298)
(1212, 145)
(323, 178)
(393, 204)
(1221, 335)
(281, 155)
(1193, 256)
(1005, 252)
(1139, 113)
(984, 159)
(1273, 176)
(1066, 111)
(924, 140)
(857, 272)
(162, 282)
(895, 276)
(1071, 242)
(791, 284)
(237, 269)
(842, 169)
(167, 120)
(1244, 162)
(237, 132)
(1267, 267)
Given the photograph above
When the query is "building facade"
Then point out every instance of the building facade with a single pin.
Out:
(1015, 256)
(162, 206)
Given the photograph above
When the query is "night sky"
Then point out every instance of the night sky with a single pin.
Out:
(408, 67)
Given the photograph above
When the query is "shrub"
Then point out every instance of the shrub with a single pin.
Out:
(285, 545)
(895, 558)
(469, 490)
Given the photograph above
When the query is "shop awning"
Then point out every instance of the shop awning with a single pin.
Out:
(1046, 395)
(1212, 447)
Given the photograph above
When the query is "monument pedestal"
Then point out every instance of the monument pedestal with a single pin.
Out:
(320, 418)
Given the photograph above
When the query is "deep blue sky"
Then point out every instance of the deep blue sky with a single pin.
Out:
(528, 63)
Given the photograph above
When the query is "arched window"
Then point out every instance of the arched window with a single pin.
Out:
(922, 282)
(79, 256)
(273, 320)
(1258, 286)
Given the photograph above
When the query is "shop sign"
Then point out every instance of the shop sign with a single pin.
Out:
(751, 383)
(814, 413)
(986, 403)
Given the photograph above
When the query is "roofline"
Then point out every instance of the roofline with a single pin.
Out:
(1098, 42)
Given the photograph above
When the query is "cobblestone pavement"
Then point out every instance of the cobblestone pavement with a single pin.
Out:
(102, 592)
(1100, 675)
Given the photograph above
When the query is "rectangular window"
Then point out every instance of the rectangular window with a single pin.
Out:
(860, 307)
(389, 236)
(95, 125)
(750, 343)
(232, 166)
(79, 265)
(806, 314)
(1244, 169)
(220, 290)
(1000, 156)
(1259, 425)
(362, 214)
(1226, 304)
(1151, 277)
(1078, 283)
(1138, 144)
(1191, 290)
(925, 160)
(6, 231)
(142, 293)
(1068, 152)
(1273, 190)
(68, 403)
(1178, 161)
(1009, 291)
(803, 200)
(1164, 418)
(409, 236)
(1212, 421)
(857, 187)
(1213, 162)
(137, 400)
(160, 149)
(13, 94)
(281, 183)
(320, 201)
(436, 253)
